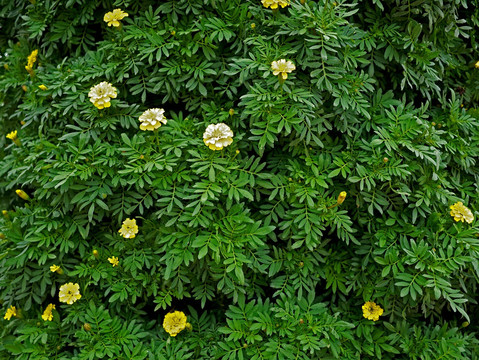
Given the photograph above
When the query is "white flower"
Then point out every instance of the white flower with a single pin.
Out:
(152, 119)
(101, 94)
(218, 136)
(282, 66)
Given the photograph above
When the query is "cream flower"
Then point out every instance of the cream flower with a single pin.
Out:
(217, 136)
(48, 313)
(69, 293)
(152, 119)
(129, 228)
(282, 67)
(460, 213)
(101, 94)
(113, 17)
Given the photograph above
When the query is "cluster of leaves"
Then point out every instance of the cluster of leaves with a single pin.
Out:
(247, 241)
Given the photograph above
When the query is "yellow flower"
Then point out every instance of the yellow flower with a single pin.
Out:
(101, 94)
(253, 25)
(341, 197)
(42, 87)
(129, 229)
(95, 253)
(114, 261)
(5, 213)
(371, 311)
(56, 268)
(69, 293)
(188, 327)
(11, 311)
(12, 135)
(32, 58)
(47, 314)
(282, 67)
(113, 17)
(22, 194)
(231, 112)
(217, 136)
(460, 213)
(174, 322)
(273, 4)
(152, 119)
(477, 65)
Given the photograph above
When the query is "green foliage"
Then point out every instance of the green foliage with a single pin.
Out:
(249, 242)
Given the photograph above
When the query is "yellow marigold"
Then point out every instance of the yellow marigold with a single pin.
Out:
(371, 311)
(113, 17)
(129, 228)
(22, 194)
(477, 65)
(101, 94)
(11, 311)
(114, 261)
(217, 136)
(48, 313)
(341, 197)
(460, 213)
(174, 322)
(56, 268)
(42, 87)
(69, 293)
(152, 119)
(273, 4)
(32, 58)
(282, 67)
(12, 135)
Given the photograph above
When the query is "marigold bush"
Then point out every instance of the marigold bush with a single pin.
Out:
(204, 179)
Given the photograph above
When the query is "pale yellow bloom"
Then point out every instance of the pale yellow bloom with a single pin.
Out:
(273, 4)
(22, 194)
(129, 229)
(101, 94)
(114, 261)
(174, 322)
(217, 136)
(11, 311)
(69, 293)
(113, 17)
(48, 313)
(152, 119)
(282, 67)
(42, 87)
(371, 311)
(460, 213)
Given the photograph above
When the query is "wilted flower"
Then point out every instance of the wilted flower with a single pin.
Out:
(69, 293)
(152, 119)
(371, 311)
(217, 136)
(174, 322)
(114, 261)
(11, 311)
(113, 17)
(129, 229)
(282, 67)
(101, 94)
(461, 213)
(47, 314)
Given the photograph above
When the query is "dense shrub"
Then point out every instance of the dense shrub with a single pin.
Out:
(254, 243)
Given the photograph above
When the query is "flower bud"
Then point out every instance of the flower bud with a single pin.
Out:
(341, 197)
(301, 264)
(87, 326)
(465, 324)
(22, 194)
(301, 321)
(189, 327)
(173, 32)
(24, 88)
(385, 159)
(231, 112)
(5, 66)
(253, 25)
(2, 236)
(95, 253)
(5, 214)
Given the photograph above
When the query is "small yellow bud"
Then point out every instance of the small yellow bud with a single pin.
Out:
(22, 194)
(301, 321)
(104, 195)
(2, 236)
(142, 156)
(5, 214)
(173, 32)
(477, 65)
(253, 25)
(301, 264)
(245, 346)
(95, 253)
(231, 112)
(341, 197)
(42, 87)
(462, 105)
(237, 152)
(189, 327)
(5, 66)
(385, 159)
(22, 122)
(465, 324)
(433, 123)
(440, 126)
(87, 326)
(24, 87)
